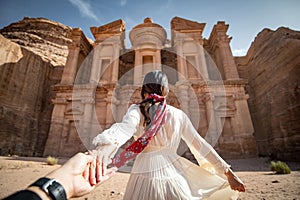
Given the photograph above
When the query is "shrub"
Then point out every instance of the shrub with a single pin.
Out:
(280, 167)
(52, 160)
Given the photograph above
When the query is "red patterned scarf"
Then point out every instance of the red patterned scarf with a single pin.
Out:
(139, 145)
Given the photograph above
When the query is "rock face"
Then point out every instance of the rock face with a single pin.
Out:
(272, 67)
(44, 37)
(31, 61)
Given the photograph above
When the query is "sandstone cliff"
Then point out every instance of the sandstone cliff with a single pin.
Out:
(272, 66)
(44, 37)
(31, 61)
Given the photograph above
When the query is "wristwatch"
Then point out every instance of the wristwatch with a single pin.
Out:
(53, 188)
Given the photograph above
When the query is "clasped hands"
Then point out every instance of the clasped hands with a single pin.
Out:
(97, 171)
(82, 173)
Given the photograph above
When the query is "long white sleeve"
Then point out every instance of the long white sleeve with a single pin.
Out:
(201, 149)
(119, 133)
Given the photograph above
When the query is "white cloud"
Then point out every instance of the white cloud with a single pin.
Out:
(85, 9)
(123, 2)
(239, 52)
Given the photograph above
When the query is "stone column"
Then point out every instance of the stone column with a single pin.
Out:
(242, 114)
(157, 60)
(124, 98)
(183, 97)
(137, 68)
(229, 66)
(109, 113)
(194, 107)
(202, 62)
(96, 66)
(182, 73)
(115, 68)
(203, 123)
(86, 130)
(212, 135)
(57, 127)
(71, 67)
(60, 146)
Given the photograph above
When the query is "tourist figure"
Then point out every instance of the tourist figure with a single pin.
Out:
(158, 172)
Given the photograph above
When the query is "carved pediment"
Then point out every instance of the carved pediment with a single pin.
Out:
(113, 31)
(112, 27)
(182, 25)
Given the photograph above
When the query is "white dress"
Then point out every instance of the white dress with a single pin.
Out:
(158, 172)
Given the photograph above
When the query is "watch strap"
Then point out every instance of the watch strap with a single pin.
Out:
(53, 188)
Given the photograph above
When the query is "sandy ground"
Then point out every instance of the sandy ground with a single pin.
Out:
(261, 184)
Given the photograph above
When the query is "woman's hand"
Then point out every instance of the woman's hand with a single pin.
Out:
(103, 155)
(234, 181)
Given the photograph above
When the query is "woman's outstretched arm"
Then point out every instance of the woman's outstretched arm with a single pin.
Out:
(202, 150)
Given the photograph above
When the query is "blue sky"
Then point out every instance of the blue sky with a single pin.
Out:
(245, 18)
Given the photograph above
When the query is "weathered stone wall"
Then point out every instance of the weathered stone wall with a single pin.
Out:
(31, 61)
(44, 37)
(25, 102)
(272, 67)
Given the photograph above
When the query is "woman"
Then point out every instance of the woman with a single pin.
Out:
(158, 172)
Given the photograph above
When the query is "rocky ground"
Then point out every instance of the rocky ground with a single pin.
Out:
(17, 172)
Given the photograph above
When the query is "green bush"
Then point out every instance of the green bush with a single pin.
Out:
(52, 160)
(280, 167)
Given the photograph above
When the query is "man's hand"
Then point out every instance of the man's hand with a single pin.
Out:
(77, 175)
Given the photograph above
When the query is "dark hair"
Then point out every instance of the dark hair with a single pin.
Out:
(155, 82)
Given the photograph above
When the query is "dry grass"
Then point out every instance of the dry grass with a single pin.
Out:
(280, 167)
(52, 160)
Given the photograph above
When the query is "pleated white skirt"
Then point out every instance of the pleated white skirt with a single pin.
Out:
(163, 175)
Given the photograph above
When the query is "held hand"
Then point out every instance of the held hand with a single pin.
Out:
(234, 182)
(98, 172)
(104, 154)
(76, 173)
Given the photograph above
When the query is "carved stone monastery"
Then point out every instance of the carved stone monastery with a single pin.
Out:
(183, 59)
(88, 85)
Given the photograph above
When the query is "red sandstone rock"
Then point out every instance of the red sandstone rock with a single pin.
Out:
(272, 66)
